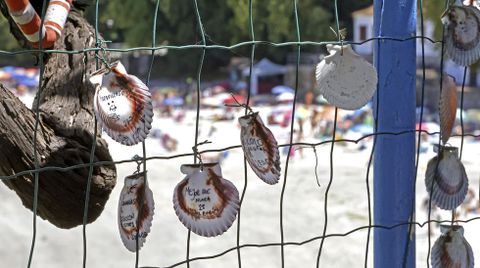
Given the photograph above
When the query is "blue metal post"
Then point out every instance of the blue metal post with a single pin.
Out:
(394, 162)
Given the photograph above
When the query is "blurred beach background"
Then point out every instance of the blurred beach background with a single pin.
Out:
(226, 78)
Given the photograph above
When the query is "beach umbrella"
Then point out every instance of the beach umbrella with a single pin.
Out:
(277, 90)
(232, 98)
(173, 101)
(211, 101)
(286, 96)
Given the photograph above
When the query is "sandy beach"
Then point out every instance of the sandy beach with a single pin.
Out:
(260, 223)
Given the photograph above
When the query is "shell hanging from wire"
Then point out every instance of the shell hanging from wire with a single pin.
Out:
(205, 203)
(260, 148)
(445, 179)
(452, 249)
(135, 196)
(448, 107)
(462, 36)
(122, 104)
(345, 79)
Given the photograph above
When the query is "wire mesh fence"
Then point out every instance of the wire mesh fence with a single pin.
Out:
(326, 166)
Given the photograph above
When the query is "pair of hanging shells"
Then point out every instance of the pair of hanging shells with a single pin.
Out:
(260, 148)
(122, 104)
(452, 249)
(446, 180)
(205, 202)
(135, 211)
(345, 79)
(462, 38)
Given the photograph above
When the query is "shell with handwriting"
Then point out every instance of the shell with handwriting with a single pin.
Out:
(345, 79)
(446, 180)
(205, 202)
(260, 148)
(122, 104)
(448, 107)
(462, 37)
(451, 250)
(135, 208)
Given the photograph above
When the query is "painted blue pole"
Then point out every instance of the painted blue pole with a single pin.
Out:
(394, 158)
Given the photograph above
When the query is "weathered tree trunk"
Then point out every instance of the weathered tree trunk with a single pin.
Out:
(65, 132)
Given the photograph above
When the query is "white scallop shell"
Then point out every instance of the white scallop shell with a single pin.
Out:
(451, 250)
(260, 148)
(205, 203)
(345, 79)
(122, 105)
(462, 37)
(449, 179)
(129, 205)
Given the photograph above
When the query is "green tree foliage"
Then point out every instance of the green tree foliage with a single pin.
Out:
(432, 11)
(8, 43)
(6, 39)
(225, 22)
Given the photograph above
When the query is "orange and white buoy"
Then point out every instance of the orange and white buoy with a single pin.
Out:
(29, 22)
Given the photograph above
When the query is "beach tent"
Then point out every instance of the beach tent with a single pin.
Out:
(263, 68)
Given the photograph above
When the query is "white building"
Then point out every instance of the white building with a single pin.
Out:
(363, 30)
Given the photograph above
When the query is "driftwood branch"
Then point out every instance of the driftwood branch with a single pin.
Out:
(65, 133)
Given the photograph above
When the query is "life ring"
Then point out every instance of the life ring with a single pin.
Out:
(29, 22)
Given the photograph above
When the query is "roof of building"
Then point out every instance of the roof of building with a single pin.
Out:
(368, 11)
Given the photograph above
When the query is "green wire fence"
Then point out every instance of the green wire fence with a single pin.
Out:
(100, 50)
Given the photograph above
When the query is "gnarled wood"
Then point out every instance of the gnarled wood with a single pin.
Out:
(65, 133)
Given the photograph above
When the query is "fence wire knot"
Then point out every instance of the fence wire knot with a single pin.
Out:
(101, 45)
(198, 155)
(138, 159)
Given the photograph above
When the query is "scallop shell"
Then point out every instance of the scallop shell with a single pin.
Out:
(345, 79)
(449, 179)
(451, 250)
(462, 37)
(205, 203)
(122, 105)
(448, 107)
(129, 205)
(260, 148)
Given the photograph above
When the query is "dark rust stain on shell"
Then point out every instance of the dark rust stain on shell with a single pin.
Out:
(445, 258)
(259, 130)
(181, 199)
(452, 15)
(143, 210)
(217, 209)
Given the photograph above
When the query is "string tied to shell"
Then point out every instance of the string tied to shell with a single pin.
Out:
(139, 160)
(101, 44)
(341, 35)
(197, 155)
